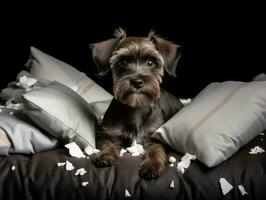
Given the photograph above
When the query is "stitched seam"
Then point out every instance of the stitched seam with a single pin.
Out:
(85, 88)
(214, 110)
(4, 138)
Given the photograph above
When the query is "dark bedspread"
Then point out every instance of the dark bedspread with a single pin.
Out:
(38, 177)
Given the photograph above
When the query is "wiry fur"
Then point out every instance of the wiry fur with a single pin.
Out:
(137, 50)
(140, 106)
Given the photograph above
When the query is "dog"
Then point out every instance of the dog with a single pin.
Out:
(140, 106)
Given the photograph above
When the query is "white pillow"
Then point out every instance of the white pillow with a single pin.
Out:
(62, 113)
(220, 120)
(19, 135)
(44, 66)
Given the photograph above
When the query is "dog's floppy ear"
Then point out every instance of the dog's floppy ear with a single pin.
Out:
(170, 52)
(102, 51)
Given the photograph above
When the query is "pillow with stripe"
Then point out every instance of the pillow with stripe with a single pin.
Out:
(220, 120)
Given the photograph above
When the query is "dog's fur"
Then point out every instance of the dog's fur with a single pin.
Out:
(140, 106)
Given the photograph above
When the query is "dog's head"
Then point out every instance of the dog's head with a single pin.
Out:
(137, 65)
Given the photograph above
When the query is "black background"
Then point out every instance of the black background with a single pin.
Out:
(222, 41)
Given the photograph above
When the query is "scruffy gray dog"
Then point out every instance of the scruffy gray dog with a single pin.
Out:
(139, 106)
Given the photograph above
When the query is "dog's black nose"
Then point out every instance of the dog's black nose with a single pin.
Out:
(137, 83)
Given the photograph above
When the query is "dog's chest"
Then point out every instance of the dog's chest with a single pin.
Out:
(142, 123)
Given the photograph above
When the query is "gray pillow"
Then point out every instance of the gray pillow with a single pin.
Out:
(44, 66)
(220, 120)
(62, 113)
(260, 77)
(19, 135)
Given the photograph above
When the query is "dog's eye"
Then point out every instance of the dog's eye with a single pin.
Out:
(123, 62)
(150, 62)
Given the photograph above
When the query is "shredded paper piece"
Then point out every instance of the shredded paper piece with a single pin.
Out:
(69, 166)
(172, 159)
(122, 151)
(225, 186)
(13, 168)
(186, 101)
(61, 164)
(11, 105)
(242, 190)
(74, 150)
(185, 162)
(26, 82)
(256, 150)
(80, 172)
(136, 149)
(84, 183)
(127, 194)
(90, 150)
(180, 169)
(172, 184)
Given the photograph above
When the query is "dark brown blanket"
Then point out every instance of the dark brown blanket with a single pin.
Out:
(38, 177)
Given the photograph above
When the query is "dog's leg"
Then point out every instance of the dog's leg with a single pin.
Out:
(154, 163)
(109, 153)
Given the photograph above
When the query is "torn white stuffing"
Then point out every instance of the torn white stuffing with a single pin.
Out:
(242, 190)
(122, 151)
(180, 169)
(80, 172)
(26, 82)
(172, 165)
(262, 134)
(74, 150)
(13, 168)
(188, 156)
(172, 159)
(11, 113)
(1, 110)
(69, 166)
(127, 194)
(90, 150)
(84, 183)
(186, 101)
(185, 162)
(136, 149)
(11, 105)
(225, 186)
(172, 184)
(61, 164)
(256, 150)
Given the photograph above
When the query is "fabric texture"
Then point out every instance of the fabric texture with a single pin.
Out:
(62, 113)
(39, 177)
(19, 135)
(219, 121)
(43, 66)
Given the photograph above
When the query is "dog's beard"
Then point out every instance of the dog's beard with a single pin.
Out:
(124, 92)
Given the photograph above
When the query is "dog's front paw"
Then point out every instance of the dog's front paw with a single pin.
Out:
(151, 169)
(105, 160)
